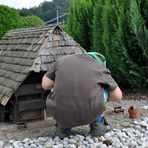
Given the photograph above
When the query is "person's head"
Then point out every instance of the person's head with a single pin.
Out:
(98, 57)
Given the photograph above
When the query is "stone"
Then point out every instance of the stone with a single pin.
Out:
(25, 140)
(72, 146)
(96, 140)
(8, 147)
(1, 143)
(66, 139)
(85, 142)
(60, 145)
(54, 146)
(56, 139)
(81, 146)
(89, 140)
(48, 145)
(32, 146)
(71, 136)
(76, 138)
(80, 137)
(94, 145)
(72, 141)
(107, 135)
(103, 146)
(11, 141)
(132, 144)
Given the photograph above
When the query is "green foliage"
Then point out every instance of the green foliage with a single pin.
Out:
(138, 28)
(80, 21)
(125, 42)
(119, 31)
(32, 21)
(97, 29)
(9, 19)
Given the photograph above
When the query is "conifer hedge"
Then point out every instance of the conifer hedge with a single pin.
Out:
(117, 29)
(80, 21)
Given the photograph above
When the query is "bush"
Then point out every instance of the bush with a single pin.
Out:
(117, 29)
(32, 21)
(9, 19)
(80, 21)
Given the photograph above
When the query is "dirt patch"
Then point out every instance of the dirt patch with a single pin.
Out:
(129, 95)
(121, 119)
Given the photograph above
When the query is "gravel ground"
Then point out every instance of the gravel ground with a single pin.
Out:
(125, 133)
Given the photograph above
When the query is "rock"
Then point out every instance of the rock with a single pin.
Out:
(48, 145)
(132, 144)
(42, 139)
(81, 138)
(25, 140)
(101, 138)
(55, 146)
(32, 146)
(11, 141)
(8, 147)
(85, 142)
(57, 139)
(72, 146)
(89, 140)
(1, 143)
(26, 145)
(76, 138)
(96, 140)
(60, 145)
(107, 135)
(72, 141)
(103, 146)
(94, 145)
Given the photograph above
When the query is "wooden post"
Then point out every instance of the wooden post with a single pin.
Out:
(2, 113)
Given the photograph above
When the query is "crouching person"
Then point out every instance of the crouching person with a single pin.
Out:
(80, 87)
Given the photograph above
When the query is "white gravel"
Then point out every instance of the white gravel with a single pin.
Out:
(135, 136)
(126, 133)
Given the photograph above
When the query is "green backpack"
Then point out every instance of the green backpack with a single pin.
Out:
(99, 57)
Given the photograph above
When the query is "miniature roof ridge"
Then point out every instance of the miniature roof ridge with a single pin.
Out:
(33, 29)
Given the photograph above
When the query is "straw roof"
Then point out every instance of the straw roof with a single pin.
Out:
(32, 49)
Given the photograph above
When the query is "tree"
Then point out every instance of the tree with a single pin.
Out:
(47, 10)
(119, 31)
(97, 31)
(80, 21)
(119, 27)
(9, 19)
(32, 21)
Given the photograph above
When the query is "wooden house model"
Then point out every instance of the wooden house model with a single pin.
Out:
(25, 56)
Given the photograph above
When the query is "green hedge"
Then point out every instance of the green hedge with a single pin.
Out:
(117, 29)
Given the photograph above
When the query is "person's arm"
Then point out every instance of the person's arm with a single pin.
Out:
(49, 77)
(47, 83)
(115, 95)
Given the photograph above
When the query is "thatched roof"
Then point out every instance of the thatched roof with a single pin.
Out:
(26, 50)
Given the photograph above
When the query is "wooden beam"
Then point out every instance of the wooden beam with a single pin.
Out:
(31, 105)
(29, 89)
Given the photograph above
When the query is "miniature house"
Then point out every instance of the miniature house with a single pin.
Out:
(25, 56)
